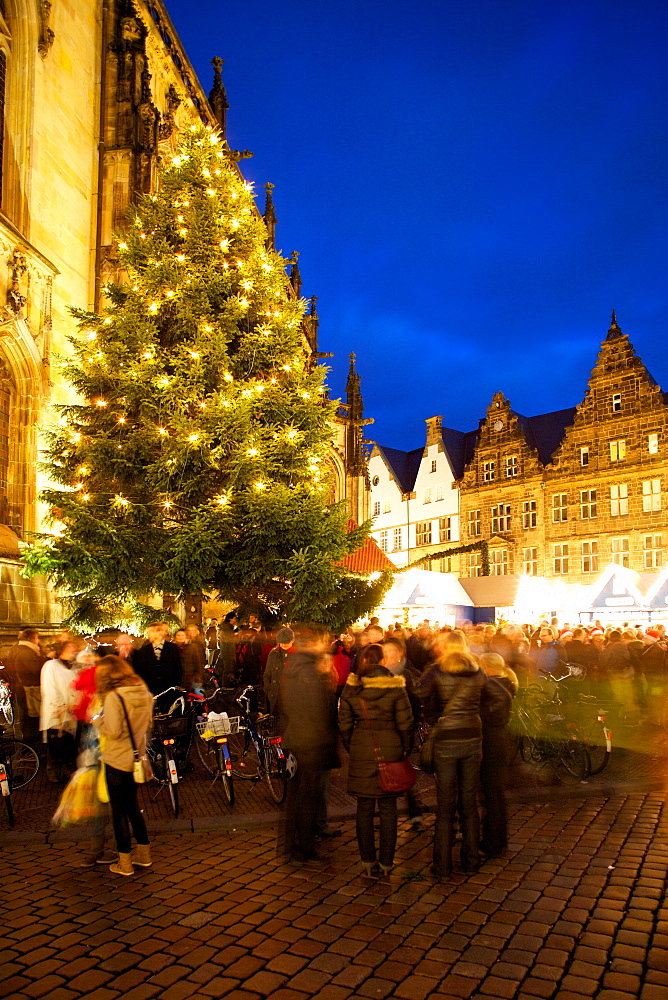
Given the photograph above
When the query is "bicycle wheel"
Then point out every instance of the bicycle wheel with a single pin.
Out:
(598, 744)
(275, 776)
(207, 759)
(226, 779)
(23, 765)
(570, 762)
(245, 762)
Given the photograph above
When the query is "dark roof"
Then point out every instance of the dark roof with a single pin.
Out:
(459, 447)
(546, 431)
(403, 464)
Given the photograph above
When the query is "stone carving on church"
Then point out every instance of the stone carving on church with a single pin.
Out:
(18, 265)
(46, 34)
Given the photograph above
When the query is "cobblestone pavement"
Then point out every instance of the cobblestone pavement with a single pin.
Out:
(575, 909)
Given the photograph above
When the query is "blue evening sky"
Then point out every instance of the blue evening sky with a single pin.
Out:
(473, 185)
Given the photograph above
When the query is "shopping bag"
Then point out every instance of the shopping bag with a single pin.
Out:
(79, 802)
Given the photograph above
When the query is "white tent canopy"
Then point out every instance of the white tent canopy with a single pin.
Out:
(420, 588)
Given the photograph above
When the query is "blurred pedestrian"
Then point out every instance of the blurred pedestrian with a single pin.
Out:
(225, 663)
(56, 722)
(374, 710)
(273, 673)
(127, 709)
(194, 657)
(308, 705)
(495, 755)
(459, 686)
(24, 663)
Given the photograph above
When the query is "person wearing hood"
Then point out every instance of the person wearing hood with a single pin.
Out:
(374, 711)
(460, 687)
(121, 692)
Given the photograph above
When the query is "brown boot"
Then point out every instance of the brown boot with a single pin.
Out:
(94, 850)
(143, 856)
(123, 866)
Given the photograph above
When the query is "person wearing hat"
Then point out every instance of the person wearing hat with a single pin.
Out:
(273, 673)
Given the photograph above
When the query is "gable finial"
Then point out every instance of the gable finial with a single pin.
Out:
(295, 276)
(614, 330)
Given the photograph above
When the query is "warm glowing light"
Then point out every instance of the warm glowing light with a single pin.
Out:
(193, 437)
(207, 329)
(76, 438)
(206, 172)
(167, 504)
(221, 501)
(247, 285)
(181, 256)
(169, 293)
(122, 246)
(154, 306)
(292, 434)
(85, 496)
(120, 500)
(210, 192)
(252, 452)
(235, 223)
(202, 405)
(286, 368)
(161, 430)
(100, 402)
(194, 354)
(82, 470)
(108, 321)
(121, 420)
(260, 486)
(228, 377)
(91, 335)
(224, 244)
(183, 232)
(243, 303)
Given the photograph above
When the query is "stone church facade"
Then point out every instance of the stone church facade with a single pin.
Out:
(92, 96)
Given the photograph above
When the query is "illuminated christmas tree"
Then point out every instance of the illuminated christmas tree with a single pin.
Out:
(193, 461)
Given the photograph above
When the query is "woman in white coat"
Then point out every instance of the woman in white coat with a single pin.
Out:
(57, 725)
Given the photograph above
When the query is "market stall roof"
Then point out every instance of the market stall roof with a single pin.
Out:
(617, 588)
(423, 588)
(491, 591)
(368, 559)
(656, 596)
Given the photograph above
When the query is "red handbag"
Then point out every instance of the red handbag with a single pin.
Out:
(393, 776)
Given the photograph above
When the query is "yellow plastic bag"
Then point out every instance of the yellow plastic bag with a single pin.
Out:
(102, 790)
(79, 802)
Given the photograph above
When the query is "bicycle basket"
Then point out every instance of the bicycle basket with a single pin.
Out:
(208, 728)
(169, 727)
(267, 725)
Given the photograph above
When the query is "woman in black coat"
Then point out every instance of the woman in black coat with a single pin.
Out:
(458, 686)
(387, 722)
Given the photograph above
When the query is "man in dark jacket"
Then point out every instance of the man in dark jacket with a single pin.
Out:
(273, 672)
(307, 703)
(158, 661)
(24, 664)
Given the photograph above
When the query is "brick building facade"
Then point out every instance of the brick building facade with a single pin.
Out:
(564, 494)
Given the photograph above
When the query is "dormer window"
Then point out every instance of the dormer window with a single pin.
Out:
(433, 465)
(617, 403)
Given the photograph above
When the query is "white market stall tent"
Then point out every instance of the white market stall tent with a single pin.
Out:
(417, 594)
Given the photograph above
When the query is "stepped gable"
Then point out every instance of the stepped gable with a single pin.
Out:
(622, 398)
(403, 465)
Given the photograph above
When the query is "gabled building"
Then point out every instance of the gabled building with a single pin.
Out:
(560, 495)
(414, 496)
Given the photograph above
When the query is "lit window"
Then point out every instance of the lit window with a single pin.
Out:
(396, 541)
(444, 529)
(512, 466)
(590, 556)
(387, 506)
(384, 540)
(587, 504)
(423, 533)
(376, 508)
(488, 472)
(560, 556)
(427, 495)
(653, 551)
(445, 564)
(617, 402)
(619, 499)
(474, 523)
(475, 564)
(433, 465)
(584, 457)
(620, 551)
(653, 444)
(559, 507)
(617, 450)
(440, 492)
(498, 562)
(651, 495)
(530, 561)
(500, 516)
(529, 514)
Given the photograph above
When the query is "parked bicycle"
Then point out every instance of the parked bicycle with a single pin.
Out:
(6, 701)
(256, 750)
(19, 765)
(213, 750)
(544, 736)
(172, 732)
(587, 715)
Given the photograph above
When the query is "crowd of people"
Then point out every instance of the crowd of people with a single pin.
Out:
(368, 690)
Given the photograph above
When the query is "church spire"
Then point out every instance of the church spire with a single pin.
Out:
(355, 458)
(353, 392)
(217, 95)
(270, 219)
